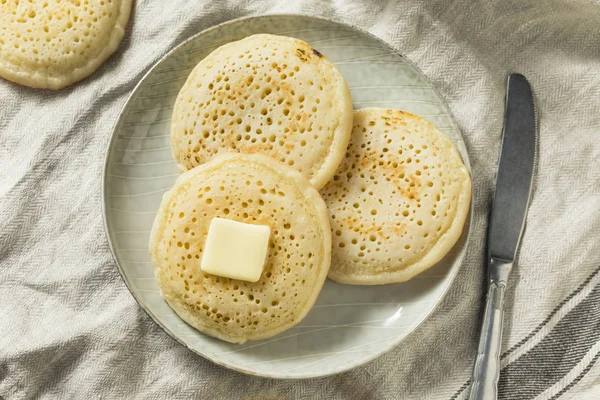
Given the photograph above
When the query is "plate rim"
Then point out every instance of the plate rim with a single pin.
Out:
(140, 301)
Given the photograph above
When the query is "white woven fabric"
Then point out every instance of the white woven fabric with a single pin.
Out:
(69, 328)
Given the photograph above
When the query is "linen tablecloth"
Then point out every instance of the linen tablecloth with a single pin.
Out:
(69, 328)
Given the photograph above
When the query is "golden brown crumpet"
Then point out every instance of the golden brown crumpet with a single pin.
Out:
(252, 189)
(399, 200)
(265, 94)
(51, 43)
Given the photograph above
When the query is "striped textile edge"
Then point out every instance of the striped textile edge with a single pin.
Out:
(557, 353)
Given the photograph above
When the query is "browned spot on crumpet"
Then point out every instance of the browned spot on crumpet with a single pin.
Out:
(301, 54)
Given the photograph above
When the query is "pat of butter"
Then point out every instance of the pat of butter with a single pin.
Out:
(235, 249)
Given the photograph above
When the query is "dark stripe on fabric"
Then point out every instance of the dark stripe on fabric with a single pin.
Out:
(461, 389)
(556, 354)
(549, 317)
(576, 380)
(538, 328)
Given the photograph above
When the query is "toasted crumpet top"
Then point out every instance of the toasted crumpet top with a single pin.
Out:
(252, 189)
(53, 43)
(399, 200)
(266, 94)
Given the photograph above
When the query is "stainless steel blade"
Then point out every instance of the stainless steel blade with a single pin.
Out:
(515, 170)
(513, 189)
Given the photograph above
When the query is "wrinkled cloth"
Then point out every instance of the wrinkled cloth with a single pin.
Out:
(69, 328)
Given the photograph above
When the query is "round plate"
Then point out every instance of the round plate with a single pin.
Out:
(349, 325)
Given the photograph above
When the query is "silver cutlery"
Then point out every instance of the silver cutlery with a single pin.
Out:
(511, 199)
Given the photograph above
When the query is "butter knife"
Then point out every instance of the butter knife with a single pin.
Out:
(511, 199)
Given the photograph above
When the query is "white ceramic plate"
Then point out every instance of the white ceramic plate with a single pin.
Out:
(349, 325)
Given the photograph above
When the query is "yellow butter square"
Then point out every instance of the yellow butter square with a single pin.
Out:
(235, 249)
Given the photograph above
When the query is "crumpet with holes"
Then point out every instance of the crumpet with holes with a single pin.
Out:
(265, 94)
(399, 200)
(253, 189)
(51, 43)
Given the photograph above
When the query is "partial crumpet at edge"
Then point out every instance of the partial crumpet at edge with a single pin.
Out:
(266, 94)
(251, 189)
(52, 44)
(399, 200)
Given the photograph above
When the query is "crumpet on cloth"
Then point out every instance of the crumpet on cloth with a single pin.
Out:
(51, 44)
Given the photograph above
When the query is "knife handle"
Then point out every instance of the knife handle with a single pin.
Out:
(487, 364)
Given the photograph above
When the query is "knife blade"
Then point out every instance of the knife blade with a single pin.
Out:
(507, 221)
(515, 171)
